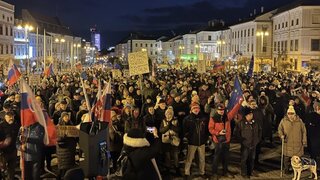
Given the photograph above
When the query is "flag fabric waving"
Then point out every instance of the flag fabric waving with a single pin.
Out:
(13, 75)
(236, 95)
(97, 107)
(49, 71)
(31, 112)
(250, 70)
(102, 108)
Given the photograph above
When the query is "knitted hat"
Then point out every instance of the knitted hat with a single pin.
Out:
(135, 138)
(246, 111)
(194, 105)
(291, 110)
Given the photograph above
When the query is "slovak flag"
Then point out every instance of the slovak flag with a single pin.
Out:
(106, 111)
(13, 75)
(102, 108)
(78, 66)
(31, 112)
(49, 71)
(236, 95)
(97, 107)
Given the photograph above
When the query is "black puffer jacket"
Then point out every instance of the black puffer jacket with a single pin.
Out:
(249, 133)
(66, 151)
(196, 129)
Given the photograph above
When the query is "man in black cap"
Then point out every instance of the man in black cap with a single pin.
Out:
(249, 134)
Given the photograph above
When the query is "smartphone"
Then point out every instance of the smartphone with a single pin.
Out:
(150, 129)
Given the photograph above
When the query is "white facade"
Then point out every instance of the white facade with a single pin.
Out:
(6, 34)
(296, 36)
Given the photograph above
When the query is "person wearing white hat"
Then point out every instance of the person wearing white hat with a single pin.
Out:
(293, 132)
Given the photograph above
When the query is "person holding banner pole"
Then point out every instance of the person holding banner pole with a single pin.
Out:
(282, 146)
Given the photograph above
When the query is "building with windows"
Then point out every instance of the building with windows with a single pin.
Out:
(296, 35)
(95, 38)
(6, 34)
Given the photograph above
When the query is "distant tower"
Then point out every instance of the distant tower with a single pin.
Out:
(95, 37)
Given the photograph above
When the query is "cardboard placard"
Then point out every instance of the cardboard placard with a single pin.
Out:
(68, 131)
(34, 79)
(201, 66)
(138, 63)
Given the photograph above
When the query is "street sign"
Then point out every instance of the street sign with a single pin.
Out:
(138, 63)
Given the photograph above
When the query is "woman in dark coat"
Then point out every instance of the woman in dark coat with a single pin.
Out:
(141, 164)
(313, 132)
(66, 147)
(268, 112)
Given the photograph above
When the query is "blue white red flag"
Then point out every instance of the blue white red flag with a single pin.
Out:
(13, 75)
(49, 71)
(106, 104)
(31, 112)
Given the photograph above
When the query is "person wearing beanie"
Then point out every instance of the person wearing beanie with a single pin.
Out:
(220, 130)
(293, 132)
(170, 138)
(141, 164)
(195, 130)
(249, 133)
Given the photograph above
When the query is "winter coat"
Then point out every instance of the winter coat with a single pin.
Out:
(248, 133)
(142, 166)
(170, 128)
(116, 132)
(218, 123)
(313, 132)
(267, 113)
(34, 142)
(8, 137)
(66, 151)
(295, 136)
(196, 129)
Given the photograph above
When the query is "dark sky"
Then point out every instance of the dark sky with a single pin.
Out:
(116, 18)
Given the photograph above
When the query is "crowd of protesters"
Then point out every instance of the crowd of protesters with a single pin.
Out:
(174, 114)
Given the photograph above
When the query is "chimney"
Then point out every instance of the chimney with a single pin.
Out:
(254, 12)
(262, 9)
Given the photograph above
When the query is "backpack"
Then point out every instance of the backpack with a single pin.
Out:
(126, 169)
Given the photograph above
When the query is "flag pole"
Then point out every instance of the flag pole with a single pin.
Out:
(22, 133)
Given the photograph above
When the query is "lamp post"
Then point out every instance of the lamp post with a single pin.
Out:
(220, 43)
(181, 48)
(60, 41)
(262, 34)
(27, 29)
(77, 52)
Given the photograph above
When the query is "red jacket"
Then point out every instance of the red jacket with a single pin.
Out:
(215, 128)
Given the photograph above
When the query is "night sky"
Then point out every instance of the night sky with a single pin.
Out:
(116, 18)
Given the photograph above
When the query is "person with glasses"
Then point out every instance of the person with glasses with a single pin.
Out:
(293, 132)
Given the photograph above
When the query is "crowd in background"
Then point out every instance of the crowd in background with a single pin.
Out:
(171, 117)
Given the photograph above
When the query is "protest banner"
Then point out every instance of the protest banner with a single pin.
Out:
(138, 63)
(34, 79)
(201, 66)
(67, 131)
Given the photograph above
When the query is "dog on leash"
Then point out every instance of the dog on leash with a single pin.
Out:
(300, 164)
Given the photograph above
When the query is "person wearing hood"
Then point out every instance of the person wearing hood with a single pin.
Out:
(141, 154)
(196, 132)
(293, 132)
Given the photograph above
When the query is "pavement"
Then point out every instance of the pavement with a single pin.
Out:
(268, 169)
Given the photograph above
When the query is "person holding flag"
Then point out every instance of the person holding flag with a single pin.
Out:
(13, 75)
(32, 134)
(220, 129)
(49, 71)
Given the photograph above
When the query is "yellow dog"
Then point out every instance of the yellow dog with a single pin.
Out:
(300, 164)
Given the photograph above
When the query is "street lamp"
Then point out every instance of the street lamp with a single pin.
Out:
(181, 49)
(262, 34)
(60, 41)
(220, 43)
(77, 52)
(27, 29)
